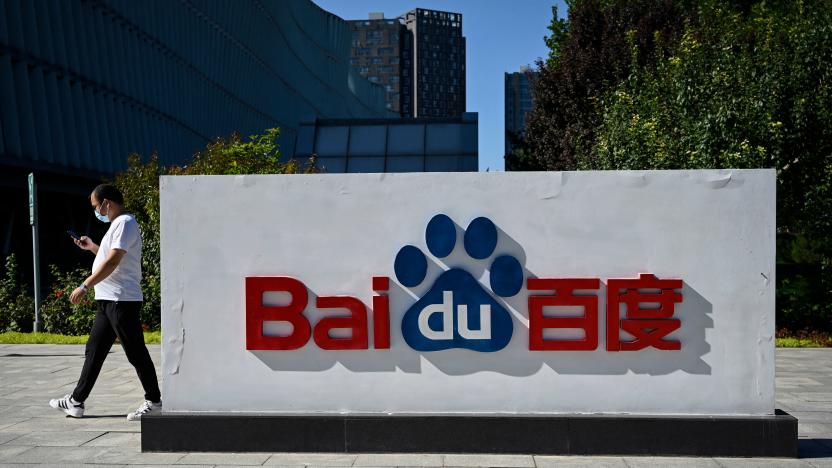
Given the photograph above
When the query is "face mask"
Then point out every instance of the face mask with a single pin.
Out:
(101, 217)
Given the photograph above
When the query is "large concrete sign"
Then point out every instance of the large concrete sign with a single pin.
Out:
(470, 293)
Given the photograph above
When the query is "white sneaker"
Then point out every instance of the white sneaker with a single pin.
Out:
(148, 407)
(68, 406)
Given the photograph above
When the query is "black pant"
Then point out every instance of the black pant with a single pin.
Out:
(117, 319)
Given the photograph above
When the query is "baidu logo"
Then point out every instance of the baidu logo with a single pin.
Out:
(458, 311)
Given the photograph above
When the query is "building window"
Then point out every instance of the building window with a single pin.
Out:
(385, 50)
(364, 70)
(373, 79)
(394, 79)
(375, 60)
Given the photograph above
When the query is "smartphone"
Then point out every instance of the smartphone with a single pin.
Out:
(73, 235)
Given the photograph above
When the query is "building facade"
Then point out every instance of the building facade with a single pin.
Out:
(377, 54)
(436, 49)
(518, 103)
(84, 83)
(418, 57)
(392, 145)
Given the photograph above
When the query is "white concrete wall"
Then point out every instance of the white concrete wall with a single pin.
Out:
(713, 229)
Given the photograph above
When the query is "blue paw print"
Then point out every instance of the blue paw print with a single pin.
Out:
(457, 312)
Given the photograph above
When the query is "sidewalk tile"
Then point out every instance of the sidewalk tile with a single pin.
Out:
(224, 459)
(117, 439)
(521, 461)
(546, 461)
(136, 457)
(762, 462)
(57, 455)
(670, 462)
(308, 459)
(57, 439)
(6, 437)
(398, 459)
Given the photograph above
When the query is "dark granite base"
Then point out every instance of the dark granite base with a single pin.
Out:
(706, 436)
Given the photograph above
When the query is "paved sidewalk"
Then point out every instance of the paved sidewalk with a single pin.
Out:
(33, 433)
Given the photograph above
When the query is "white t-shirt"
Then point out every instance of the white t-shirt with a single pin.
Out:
(124, 283)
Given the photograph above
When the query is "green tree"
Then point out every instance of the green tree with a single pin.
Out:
(589, 54)
(701, 84)
(559, 31)
(745, 86)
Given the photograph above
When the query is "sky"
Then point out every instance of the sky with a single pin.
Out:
(501, 36)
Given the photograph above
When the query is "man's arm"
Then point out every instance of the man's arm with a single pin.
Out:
(114, 257)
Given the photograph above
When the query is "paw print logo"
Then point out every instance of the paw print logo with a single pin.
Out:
(458, 311)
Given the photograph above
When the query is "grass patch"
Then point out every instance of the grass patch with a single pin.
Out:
(798, 343)
(803, 339)
(52, 338)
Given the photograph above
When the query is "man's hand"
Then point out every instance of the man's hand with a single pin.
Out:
(86, 243)
(77, 295)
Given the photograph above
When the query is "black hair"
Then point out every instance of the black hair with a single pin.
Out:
(109, 192)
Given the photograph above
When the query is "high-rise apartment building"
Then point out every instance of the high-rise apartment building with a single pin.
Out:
(518, 103)
(429, 52)
(376, 54)
(436, 48)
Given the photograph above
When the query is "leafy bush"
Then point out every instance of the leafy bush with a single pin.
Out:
(17, 307)
(58, 314)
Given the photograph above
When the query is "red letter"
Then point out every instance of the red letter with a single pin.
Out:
(564, 290)
(647, 325)
(257, 313)
(357, 321)
(381, 313)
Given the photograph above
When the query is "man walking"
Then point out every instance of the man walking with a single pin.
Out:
(116, 277)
